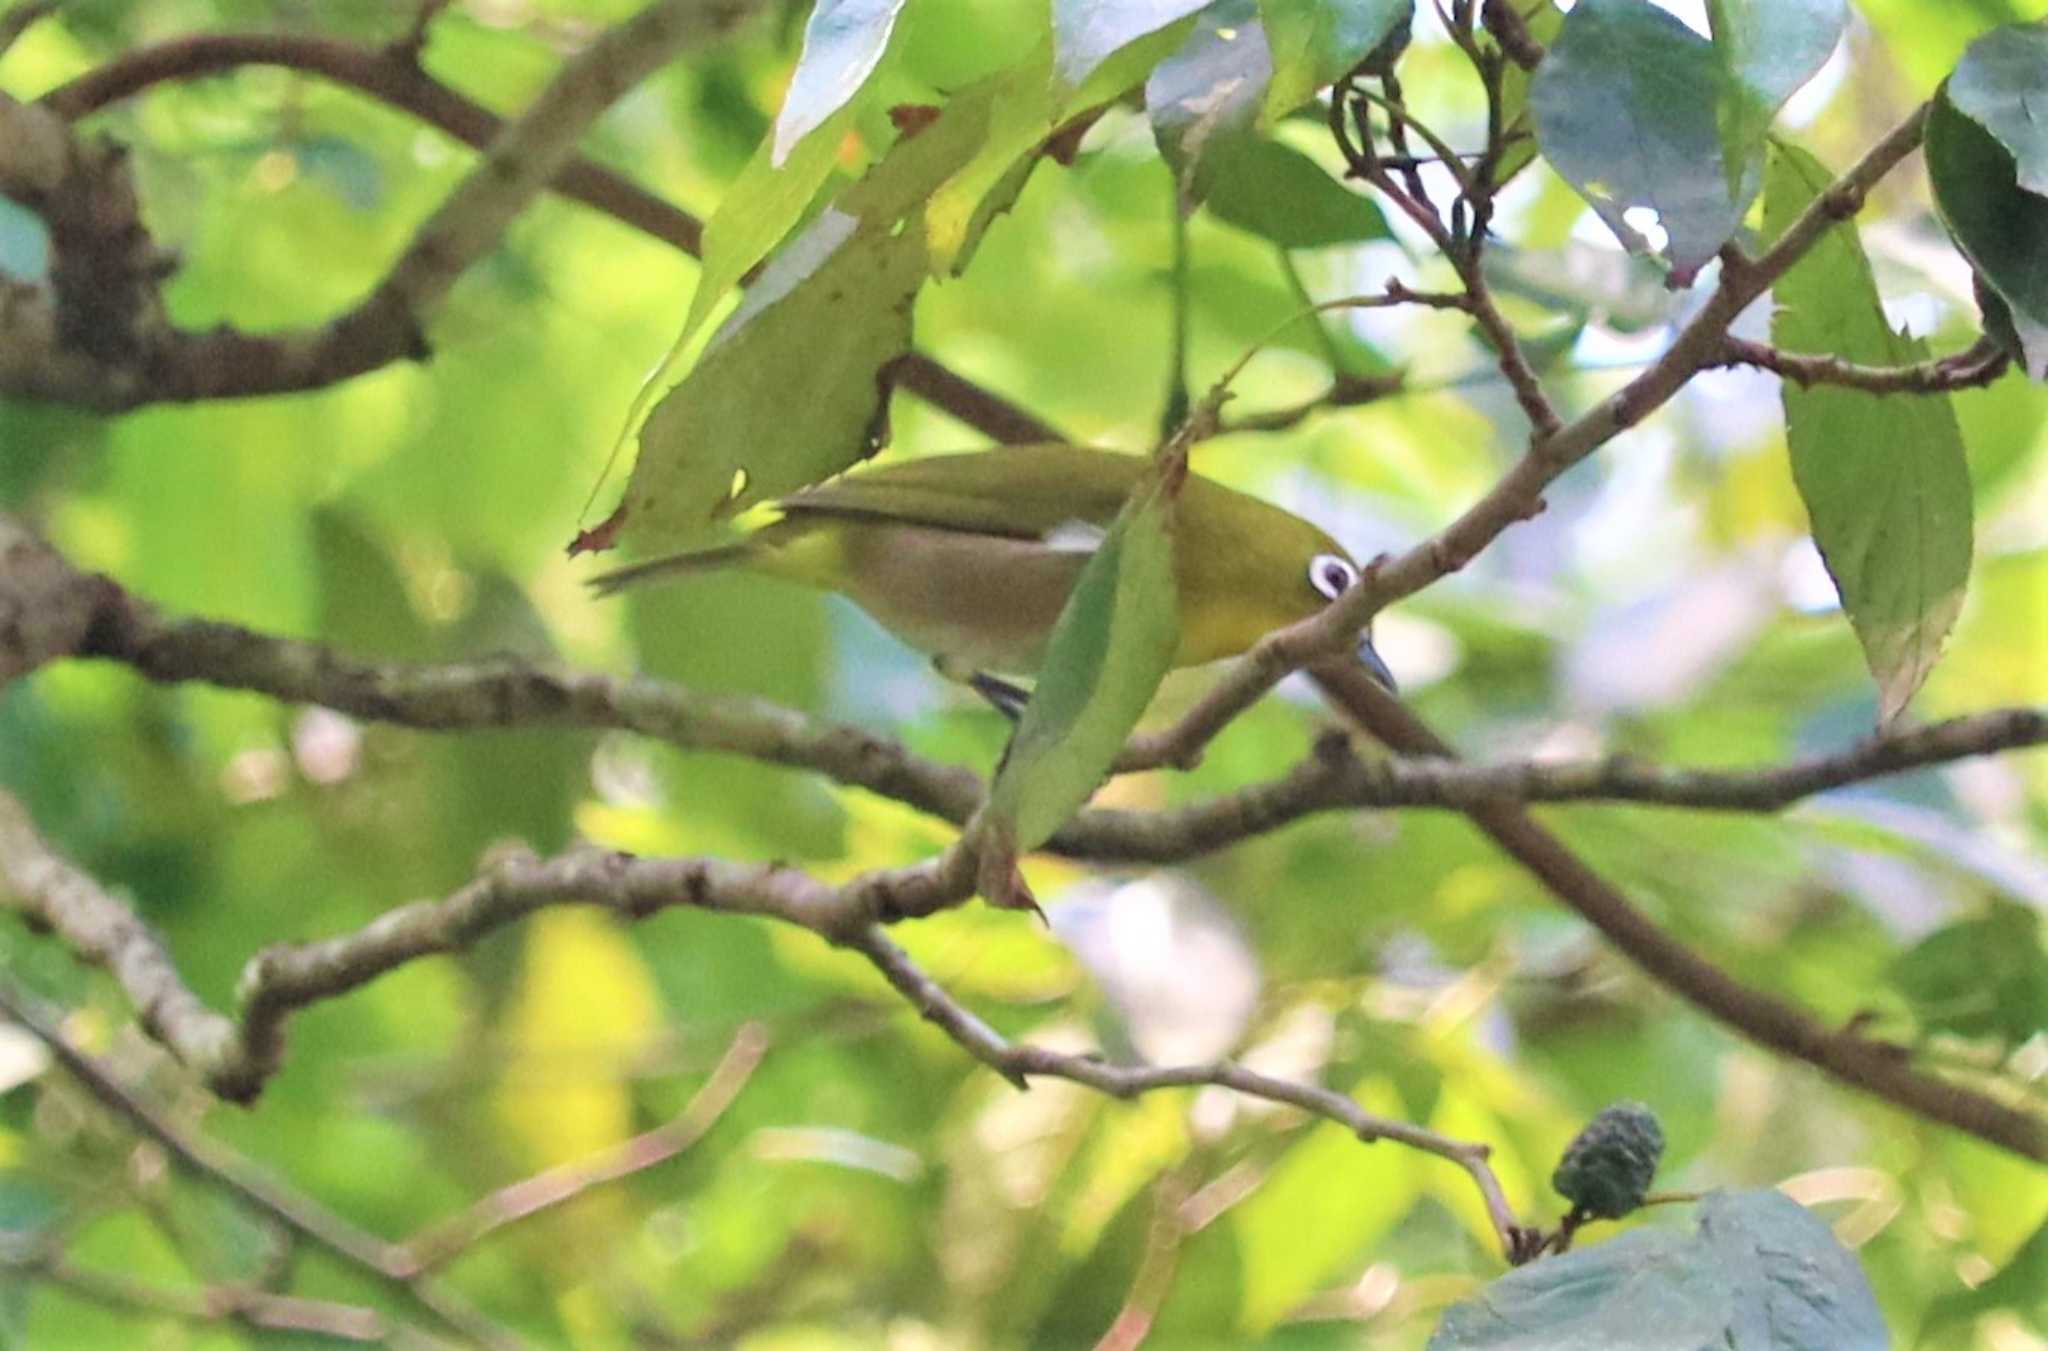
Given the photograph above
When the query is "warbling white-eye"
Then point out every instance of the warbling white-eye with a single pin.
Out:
(971, 557)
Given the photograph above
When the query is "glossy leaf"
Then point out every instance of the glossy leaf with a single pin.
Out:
(1318, 42)
(1999, 226)
(843, 43)
(1105, 659)
(1087, 33)
(1623, 106)
(1884, 479)
(2002, 84)
(1759, 1273)
(1767, 50)
(1276, 191)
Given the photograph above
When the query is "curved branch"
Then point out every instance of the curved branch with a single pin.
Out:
(392, 77)
(1981, 364)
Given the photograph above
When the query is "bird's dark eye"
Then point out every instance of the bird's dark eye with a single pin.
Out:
(1331, 575)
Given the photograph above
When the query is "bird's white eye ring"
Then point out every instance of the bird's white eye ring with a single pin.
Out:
(1332, 576)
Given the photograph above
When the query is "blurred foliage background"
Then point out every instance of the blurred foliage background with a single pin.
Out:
(869, 1186)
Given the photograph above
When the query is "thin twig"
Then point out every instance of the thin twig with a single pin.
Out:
(1020, 1063)
(1981, 364)
(454, 1237)
(258, 1310)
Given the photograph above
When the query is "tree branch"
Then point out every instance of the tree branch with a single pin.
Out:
(257, 1310)
(391, 77)
(1019, 1063)
(1878, 1068)
(1981, 364)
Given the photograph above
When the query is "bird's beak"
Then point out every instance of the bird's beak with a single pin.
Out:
(1369, 656)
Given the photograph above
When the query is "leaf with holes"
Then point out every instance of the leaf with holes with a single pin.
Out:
(1624, 107)
(1883, 478)
(843, 43)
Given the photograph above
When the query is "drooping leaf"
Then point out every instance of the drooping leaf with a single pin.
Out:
(1758, 1274)
(1983, 977)
(1317, 42)
(843, 43)
(1021, 104)
(1087, 33)
(1276, 191)
(1999, 226)
(1624, 107)
(1105, 659)
(1767, 50)
(1883, 479)
(2002, 84)
(835, 304)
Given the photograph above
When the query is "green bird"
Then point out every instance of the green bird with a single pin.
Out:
(971, 557)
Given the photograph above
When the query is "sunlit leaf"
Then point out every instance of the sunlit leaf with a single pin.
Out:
(1624, 108)
(1109, 650)
(1767, 49)
(1087, 33)
(843, 43)
(1318, 42)
(1883, 478)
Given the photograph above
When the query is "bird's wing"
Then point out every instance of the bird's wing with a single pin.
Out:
(1042, 492)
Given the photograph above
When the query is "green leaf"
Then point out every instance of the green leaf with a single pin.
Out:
(1999, 226)
(1112, 645)
(1544, 22)
(834, 304)
(1758, 1274)
(1767, 50)
(1984, 977)
(2002, 84)
(1087, 33)
(1318, 42)
(843, 43)
(1212, 85)
(1276, 191)
(1624, 109)
(1884, 479)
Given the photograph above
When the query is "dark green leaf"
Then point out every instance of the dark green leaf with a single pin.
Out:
(1276, 191)
(1985, 977)
(843, 43)
(1112, 645)
(1767, 50)
(1088, 32)
(2000, 227)
(2002, 84)
(1624, 108)
(1318, 42)
(1883, 478)
(1212, 85)
(1758, 1274)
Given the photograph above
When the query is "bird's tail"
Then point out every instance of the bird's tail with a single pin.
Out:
(672, 565)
